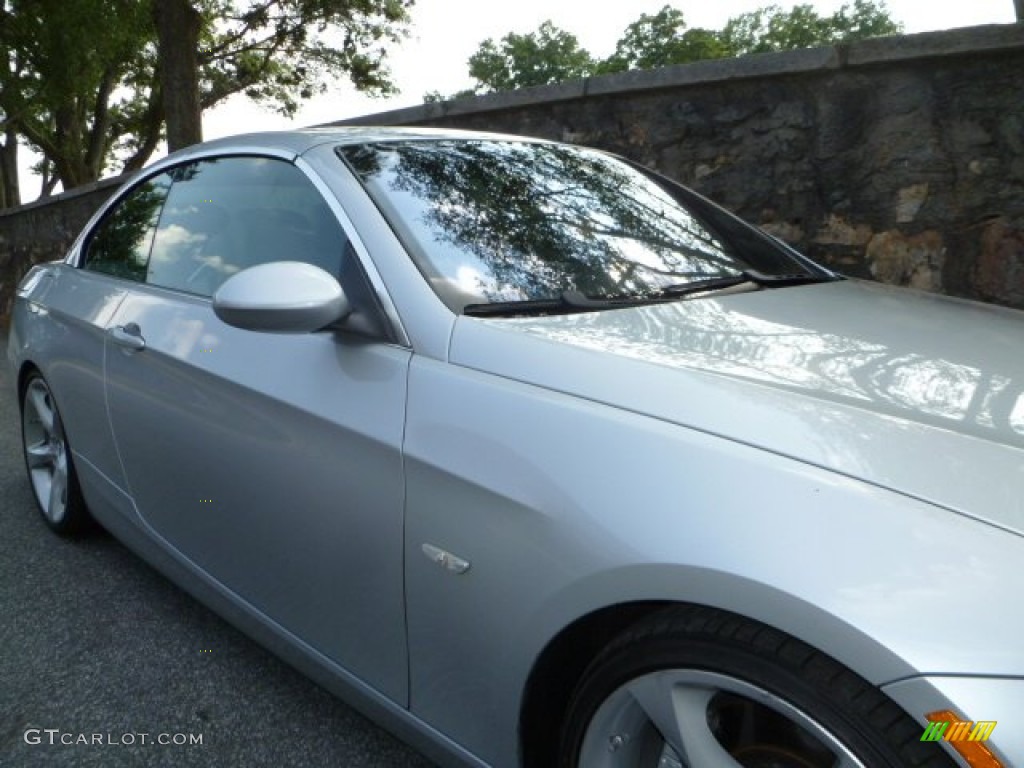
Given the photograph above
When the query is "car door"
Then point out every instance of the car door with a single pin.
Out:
(80, 304)
(272, 462)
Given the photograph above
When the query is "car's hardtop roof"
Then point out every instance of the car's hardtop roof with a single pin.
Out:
(301, 140)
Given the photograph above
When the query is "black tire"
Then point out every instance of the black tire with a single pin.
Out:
(48, 461)
(767, 700)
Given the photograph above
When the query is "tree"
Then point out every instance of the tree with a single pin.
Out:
(10, 192)
(281, 52)
(773, 29)
(862, 20)
(10, 189)
(178, 25)
(434, 97)
(548, 55)
(660, 41)
(64, 96)
(10, 65)
(88, 91)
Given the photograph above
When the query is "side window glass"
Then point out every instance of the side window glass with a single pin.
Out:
(120, 244)
(226, 214)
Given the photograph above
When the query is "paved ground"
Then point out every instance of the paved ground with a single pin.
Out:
(94, 641)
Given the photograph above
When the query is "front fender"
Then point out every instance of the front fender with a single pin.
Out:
(564, 507)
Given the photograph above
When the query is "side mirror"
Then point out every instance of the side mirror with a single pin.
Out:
(281, 297)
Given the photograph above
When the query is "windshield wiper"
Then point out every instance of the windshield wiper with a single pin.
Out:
(789, 278)
(706, 284)
(574, 301)
(567, 303)
(746, 276)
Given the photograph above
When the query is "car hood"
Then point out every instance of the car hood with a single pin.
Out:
(914, 392)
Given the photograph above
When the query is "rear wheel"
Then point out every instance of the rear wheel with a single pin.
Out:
(51, 471)
(699, 688)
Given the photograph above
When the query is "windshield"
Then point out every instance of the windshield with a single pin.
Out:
(491, 221)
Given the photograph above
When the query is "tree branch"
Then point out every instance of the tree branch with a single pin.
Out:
(152, 121)
(245, 29)
(98, 140)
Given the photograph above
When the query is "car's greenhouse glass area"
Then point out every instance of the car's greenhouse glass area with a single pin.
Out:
(491, 221)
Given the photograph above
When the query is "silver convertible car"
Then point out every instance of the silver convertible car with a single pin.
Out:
(541, 459)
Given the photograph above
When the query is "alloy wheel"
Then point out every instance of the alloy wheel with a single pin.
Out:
(688, 718)
(46, 451)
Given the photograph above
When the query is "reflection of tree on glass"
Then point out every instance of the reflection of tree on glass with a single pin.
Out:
(190, 171)
(493, 221)
(122, 243)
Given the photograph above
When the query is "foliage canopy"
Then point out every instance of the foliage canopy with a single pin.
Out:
(80, 83)
(550, 54)
(546, 56)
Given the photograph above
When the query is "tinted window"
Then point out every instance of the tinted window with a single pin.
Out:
(121, 243)
(226, 214)
(491, 221)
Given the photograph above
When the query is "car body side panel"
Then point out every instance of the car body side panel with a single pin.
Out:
(31, 339)
(273, 463)
(139, 538)
(61, 331)
(564, 506)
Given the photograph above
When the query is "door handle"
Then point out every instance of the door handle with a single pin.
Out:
(128, 335)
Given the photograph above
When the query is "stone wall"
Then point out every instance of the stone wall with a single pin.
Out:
(43, 231)
(899, 159)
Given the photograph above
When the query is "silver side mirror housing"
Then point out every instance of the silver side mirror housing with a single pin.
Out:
(281, 297)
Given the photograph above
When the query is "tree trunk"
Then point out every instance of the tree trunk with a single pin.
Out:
(48, 179)
(177, 25)
(10, 191)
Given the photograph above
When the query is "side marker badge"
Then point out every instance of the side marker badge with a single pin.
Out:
(446, 560)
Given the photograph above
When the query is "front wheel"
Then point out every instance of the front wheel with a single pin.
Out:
(699, 688)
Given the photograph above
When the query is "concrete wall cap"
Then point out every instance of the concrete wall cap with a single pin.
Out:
(85, 189)
(925, 45)
(716, 70)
